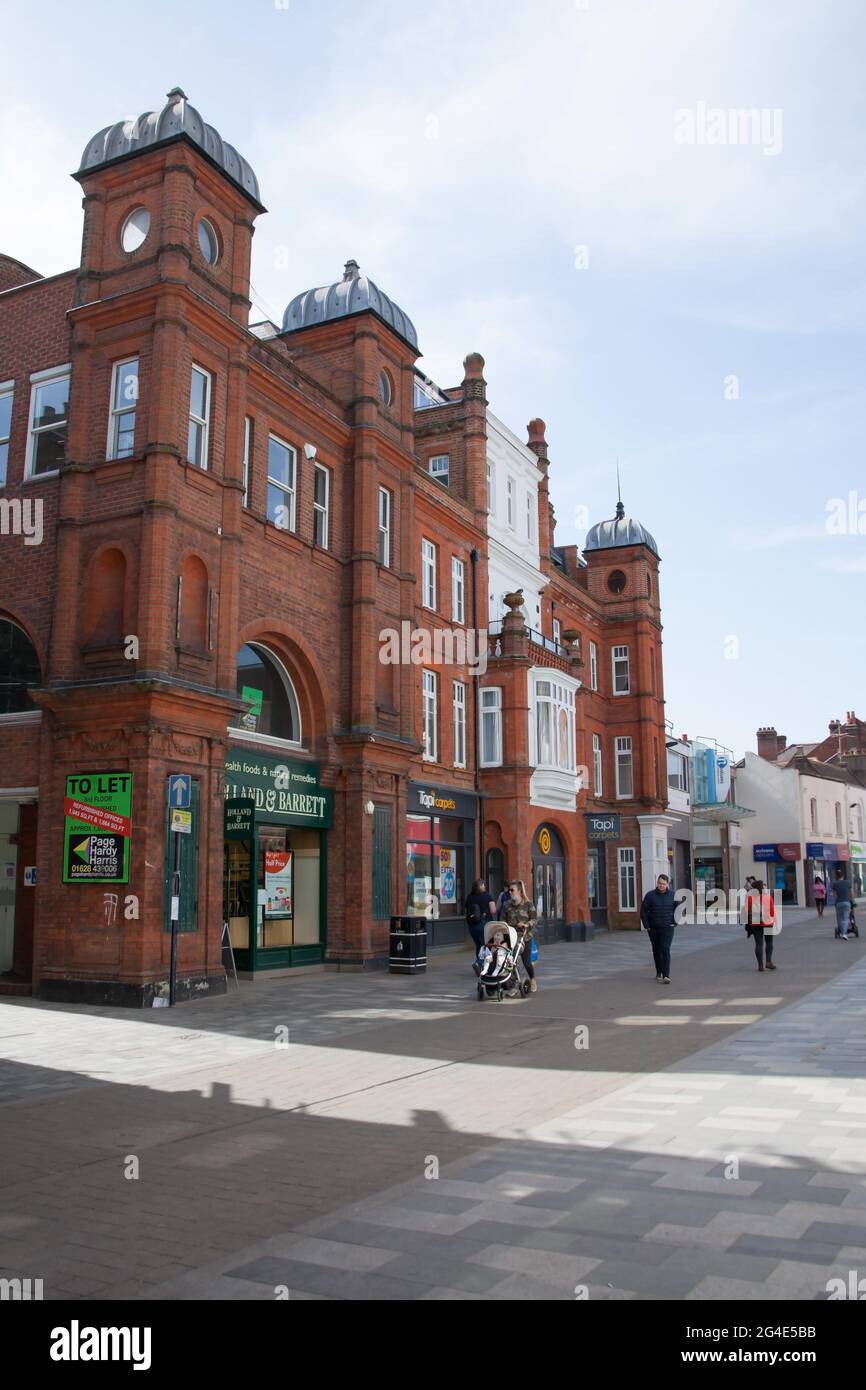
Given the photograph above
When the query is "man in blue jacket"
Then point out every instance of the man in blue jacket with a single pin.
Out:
(657, 916)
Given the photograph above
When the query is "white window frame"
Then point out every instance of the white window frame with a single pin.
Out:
(624, 745)
(197, 420)
(430, 711)
(289, 489)
(597, 766)
(7, 388)
(384, 555)
(248, 439)
(458, 590)
(813, 813)
(557, 631)
(839, 831)
(490, 714)
(557, 698)
(593, 666)
(438, 474)
(509, 502)
(116, 412)
(491, 488)
(428, 575)
(459, 722)
(614, 659)
(322, 509)
(626, 860)
(38, 379)
(530, 518)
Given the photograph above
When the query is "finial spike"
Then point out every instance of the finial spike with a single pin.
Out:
(620, 509)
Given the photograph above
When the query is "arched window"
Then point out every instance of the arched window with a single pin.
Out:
(495, 872)
(19, 669)
(271, 703)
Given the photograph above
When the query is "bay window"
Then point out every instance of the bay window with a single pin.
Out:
(554, 725)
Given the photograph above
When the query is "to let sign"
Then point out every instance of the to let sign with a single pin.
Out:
(97, 827)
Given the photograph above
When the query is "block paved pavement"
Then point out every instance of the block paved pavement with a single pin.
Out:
(709, 1141)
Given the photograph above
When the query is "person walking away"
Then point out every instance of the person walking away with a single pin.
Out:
(842, 900)
(479, 909)
(760, 921)
(657, 916)
(819, 893)
(520, 914)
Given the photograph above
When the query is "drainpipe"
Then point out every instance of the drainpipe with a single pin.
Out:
(474, 556)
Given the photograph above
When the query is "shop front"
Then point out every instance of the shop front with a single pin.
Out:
(440, 859)
(776, 865)
(858, 868)
(599, 829)
(821, 862)
(275, 861)
(548, 883)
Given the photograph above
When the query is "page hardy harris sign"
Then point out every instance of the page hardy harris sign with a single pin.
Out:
(98, 826)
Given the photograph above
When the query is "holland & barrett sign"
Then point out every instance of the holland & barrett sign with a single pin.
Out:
(287, 790)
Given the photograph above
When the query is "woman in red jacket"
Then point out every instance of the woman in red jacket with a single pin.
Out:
(760, 923)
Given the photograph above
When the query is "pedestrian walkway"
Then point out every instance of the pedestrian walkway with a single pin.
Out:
(707, 1141)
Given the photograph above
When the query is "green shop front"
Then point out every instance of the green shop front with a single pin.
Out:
(275, 862)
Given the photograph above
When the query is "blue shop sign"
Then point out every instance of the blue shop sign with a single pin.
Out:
(814, 850)
(764, 852)
(603, 827)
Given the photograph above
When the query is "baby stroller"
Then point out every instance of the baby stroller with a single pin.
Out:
(503, 976)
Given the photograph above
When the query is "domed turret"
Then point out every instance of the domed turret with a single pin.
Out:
(352, 295)
(621, 530)
(177, 120)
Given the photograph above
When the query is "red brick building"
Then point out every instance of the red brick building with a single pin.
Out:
(224, 548)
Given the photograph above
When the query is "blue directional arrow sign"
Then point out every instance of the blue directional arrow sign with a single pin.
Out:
(180, 791)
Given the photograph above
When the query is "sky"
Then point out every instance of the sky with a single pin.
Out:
(561, 187)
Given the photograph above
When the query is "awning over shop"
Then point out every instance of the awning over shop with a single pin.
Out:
(720, 814)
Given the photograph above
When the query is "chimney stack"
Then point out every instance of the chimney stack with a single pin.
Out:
(537, 441)
(781, 743)
(768, 744)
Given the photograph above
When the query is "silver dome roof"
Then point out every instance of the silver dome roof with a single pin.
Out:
(351, 295)
(621, 530)
(177, 118)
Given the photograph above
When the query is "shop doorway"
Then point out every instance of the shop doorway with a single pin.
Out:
(495, 872)
(597, 886)
(8, 875)
(548, 873)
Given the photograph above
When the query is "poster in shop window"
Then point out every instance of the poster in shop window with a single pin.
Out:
(447, 876)
(278, 882)
(97, 827)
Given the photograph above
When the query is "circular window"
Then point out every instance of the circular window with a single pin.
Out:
(386, 389)
(208, 241)
(616, 581)
(135, 229)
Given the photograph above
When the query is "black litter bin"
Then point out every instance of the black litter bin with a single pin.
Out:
(408, 953)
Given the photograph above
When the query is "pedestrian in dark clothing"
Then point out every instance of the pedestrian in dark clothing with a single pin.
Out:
(479, 908)
(842, 898)
(657, 916)
(761, 923)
